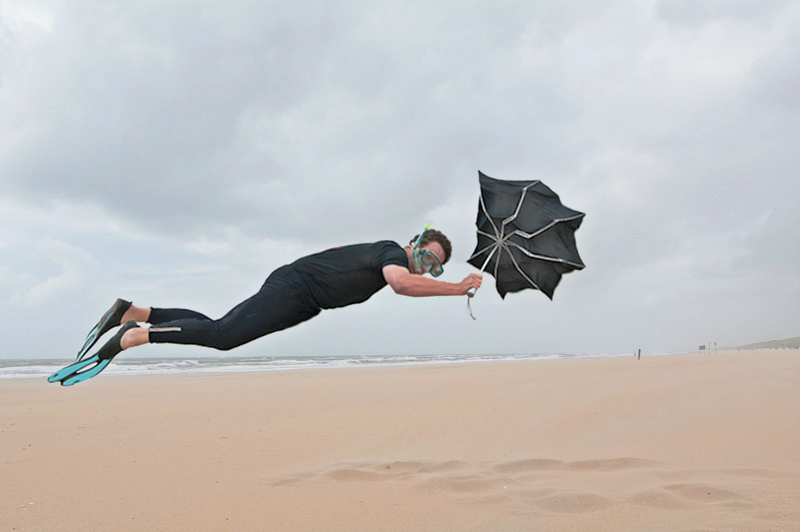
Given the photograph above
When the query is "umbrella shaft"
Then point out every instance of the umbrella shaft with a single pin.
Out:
(486, 262)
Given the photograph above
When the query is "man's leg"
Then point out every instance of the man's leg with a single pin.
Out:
(156, 315)
(282, 302)
(134, 337)
(138, 314)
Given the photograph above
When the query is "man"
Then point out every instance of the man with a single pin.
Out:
(292, 294)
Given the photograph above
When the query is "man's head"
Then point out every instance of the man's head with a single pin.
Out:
(429, 237)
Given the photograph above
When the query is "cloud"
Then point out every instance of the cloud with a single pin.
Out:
(159, 123)
(178, 152)
(70, 260)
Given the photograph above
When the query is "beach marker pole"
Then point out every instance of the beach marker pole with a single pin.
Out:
(640, 355)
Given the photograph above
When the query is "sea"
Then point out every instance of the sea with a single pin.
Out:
(42, 368)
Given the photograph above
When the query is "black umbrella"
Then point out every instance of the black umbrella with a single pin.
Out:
(526, 237)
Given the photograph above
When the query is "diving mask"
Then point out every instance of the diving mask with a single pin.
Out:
(426, 260)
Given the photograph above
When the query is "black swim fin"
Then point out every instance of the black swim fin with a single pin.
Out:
(110, 319)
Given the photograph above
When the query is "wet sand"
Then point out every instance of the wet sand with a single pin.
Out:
(673, 443)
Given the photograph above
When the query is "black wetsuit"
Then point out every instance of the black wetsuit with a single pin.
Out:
(292, 294)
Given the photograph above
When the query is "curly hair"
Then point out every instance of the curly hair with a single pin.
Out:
(432, 235)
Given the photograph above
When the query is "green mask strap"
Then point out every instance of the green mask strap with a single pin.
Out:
(415, 253)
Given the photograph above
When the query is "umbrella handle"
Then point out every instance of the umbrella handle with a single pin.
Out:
(470, 295)
(471, 291)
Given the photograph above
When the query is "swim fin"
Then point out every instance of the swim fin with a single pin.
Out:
(72, 374)
(110, 319)
(83, 370)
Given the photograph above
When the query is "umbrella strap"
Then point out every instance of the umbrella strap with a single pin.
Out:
(469, 307)
(470, 295)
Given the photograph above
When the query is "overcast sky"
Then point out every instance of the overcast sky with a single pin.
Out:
(174, 153)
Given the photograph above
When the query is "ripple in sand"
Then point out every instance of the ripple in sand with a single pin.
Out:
(465, 484)
(613, 464)
(572, 503)
(403, 467)
(508, 482)
(356, 475)
(777, 515)
(527, 466)
(445, 467)
(658, 499)
(705, 493)
(755, 473)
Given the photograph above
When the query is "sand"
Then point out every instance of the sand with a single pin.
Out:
(672, 443)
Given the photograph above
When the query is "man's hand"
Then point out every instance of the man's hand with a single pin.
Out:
(472, 280)
(405, 283)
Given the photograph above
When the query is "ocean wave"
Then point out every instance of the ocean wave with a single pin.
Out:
(42, 368)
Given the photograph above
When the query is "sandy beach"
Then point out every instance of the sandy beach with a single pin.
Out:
(672, 443)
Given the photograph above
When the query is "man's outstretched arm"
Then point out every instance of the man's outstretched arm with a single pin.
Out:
(405, 283)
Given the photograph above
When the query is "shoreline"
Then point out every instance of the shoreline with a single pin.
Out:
(14, 369)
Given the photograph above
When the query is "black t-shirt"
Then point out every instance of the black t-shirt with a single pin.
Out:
(349, 274)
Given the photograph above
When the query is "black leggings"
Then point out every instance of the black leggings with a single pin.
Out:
(283, 301)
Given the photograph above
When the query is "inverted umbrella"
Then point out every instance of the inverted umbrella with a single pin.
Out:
(526, 237)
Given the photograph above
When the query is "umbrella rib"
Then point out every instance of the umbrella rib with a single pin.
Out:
(523, 234)
(493, 246)
(516, 265)
(543, 257)
(519, 204)
(496, 237)
(484, 250)
(488, 258)
(497, 262)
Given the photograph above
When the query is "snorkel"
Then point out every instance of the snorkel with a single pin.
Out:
(415, 253)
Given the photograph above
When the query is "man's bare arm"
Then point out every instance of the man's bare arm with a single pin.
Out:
(407, 284)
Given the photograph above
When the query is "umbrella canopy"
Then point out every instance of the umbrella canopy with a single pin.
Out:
(526, 237)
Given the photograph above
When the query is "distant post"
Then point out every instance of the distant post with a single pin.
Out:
(640, 355)
(702, 348)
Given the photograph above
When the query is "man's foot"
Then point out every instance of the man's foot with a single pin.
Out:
(112, 318)
(114, 346)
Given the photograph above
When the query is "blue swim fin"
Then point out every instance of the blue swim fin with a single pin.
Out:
(83, 370)
(79, 371)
